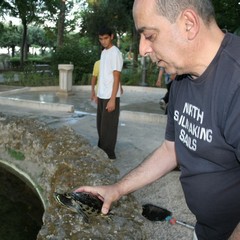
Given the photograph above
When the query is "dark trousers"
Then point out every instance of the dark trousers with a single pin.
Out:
(107, 126)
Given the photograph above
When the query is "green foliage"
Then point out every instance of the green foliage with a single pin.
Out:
(27, 11)
(81, 54)
(116, 14)
(237, 31)
(39, 37)
(15, 61)
(10, 36)
(152, 73)
(9, 78)
(32, 76)
(16, 154)
(133, 76)
(227, 14)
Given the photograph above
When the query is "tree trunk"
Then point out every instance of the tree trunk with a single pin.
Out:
(61, 20)
(24, 45)
(13, 50)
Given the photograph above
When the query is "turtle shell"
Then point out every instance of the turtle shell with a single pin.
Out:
(83, 203)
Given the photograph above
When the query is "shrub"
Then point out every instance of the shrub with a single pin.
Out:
(133, 76)
(15, 62)
(82, 56)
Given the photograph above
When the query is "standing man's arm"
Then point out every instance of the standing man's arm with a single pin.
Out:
(93, 84)
(159, 79)
(94, 80)
(173, 76)
(111, 103)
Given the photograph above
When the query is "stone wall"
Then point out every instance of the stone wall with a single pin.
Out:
(60, 160)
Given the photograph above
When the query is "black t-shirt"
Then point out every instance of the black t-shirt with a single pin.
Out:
(204, 122)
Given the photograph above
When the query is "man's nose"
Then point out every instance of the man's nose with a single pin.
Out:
(144, 47)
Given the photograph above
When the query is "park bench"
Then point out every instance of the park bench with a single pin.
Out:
(43, 69)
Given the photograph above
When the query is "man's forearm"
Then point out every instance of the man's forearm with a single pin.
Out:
(116, 83)
(160, 162)
(93, 83)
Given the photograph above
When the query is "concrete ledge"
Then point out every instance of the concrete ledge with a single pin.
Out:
(31, 89)
(15, 91)
(36, 105)
(84, 88)
(125, 115)
(44, 89)
(128, 88)
(152, 118)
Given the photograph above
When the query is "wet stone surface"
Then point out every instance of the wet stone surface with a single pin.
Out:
(60, 160)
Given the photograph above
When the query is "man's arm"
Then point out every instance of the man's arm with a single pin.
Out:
(111, 103)
(160, 162)
(173, 76)
(236, 233)
(93, 84)
(159, 79)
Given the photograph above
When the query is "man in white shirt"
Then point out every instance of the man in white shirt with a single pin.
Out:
(108, 94)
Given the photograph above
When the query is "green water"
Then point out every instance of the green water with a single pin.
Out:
(20, 209)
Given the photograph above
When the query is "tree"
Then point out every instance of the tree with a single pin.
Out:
(227, 14)
(38, 37)
(27, 12)
(116, 14)
(37, 11)
(61, 21)
(10, 37)
(58, 12)
(80, 52)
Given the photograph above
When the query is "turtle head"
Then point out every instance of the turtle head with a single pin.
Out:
(64, 199)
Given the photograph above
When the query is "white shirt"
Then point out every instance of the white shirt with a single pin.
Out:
(111, 60)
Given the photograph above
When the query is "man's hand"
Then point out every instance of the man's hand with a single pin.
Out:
(158, 83)
(111, 105)
(108, 194)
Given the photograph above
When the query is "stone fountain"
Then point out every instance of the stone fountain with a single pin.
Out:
(60, 160)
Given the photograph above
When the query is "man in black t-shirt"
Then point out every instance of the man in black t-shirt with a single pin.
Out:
(203, 128)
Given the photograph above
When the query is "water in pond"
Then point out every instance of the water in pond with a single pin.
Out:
(21, 210)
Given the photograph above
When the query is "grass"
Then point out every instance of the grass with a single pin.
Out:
(17, 155)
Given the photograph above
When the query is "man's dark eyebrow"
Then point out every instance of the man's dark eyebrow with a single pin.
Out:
(141, 30)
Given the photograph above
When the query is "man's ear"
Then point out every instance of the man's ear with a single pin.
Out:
(191, 23)
(112, 36)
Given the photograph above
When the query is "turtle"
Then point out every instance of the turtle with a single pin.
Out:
(86, 204)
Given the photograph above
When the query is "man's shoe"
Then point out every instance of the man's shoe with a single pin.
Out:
(112, 156)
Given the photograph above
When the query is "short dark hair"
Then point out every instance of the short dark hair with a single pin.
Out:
(105, 31)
